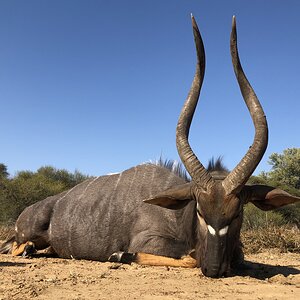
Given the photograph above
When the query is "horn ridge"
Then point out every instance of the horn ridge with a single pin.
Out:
(238, 177)
(197, 171)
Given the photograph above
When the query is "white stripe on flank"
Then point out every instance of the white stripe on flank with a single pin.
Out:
(64, 196)
(80, 197)
(117, 182)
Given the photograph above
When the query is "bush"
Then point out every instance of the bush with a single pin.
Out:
(28, 187)
(285, 238)
(254, 218)
(291, 214)
(263, 230)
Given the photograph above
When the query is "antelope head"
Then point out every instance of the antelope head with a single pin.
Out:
(220, 197)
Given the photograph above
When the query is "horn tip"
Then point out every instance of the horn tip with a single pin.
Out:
(193, 19)
(233, 30)
(194, 23)
(233, 21)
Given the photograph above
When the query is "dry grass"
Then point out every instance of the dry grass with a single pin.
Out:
(285, 238)
(6, 232)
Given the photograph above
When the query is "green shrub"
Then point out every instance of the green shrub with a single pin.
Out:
(28, 187)
(254, 218)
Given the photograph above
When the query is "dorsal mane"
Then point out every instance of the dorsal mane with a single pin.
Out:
(217, 169)
(173, 166)
(216, 165)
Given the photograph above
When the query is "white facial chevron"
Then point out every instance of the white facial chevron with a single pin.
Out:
(221, 232)
(211, 230)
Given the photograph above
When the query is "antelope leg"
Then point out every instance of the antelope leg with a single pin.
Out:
(153, 260)
(24, 249)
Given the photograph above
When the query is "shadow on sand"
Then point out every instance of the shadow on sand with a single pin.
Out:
(12, 264)
(264, 271)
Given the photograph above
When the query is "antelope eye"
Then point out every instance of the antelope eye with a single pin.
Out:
(236, 216)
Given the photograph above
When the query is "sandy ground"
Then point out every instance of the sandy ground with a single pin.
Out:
(272, 276)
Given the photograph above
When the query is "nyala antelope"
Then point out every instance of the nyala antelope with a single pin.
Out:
(149, 214)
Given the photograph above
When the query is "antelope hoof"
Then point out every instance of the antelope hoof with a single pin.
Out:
(122, 257)
(29, 250)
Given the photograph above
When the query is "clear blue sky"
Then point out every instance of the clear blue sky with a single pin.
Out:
(98, 85)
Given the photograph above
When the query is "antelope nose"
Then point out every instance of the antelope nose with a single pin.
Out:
(214, 272)
(211, 272)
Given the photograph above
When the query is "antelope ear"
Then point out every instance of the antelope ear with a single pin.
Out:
(173, 198)
(267, 197)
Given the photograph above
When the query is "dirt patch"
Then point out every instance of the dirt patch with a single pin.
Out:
(271, 275)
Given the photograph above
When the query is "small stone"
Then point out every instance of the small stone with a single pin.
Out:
(115, 266)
